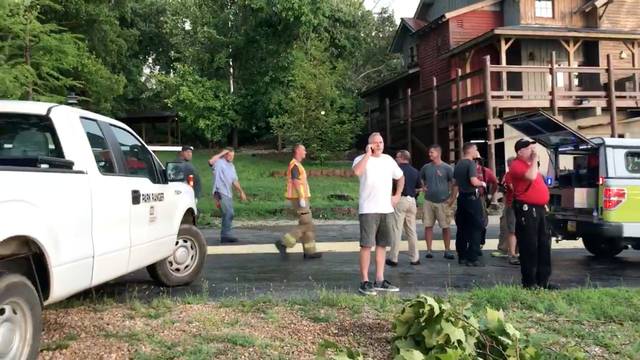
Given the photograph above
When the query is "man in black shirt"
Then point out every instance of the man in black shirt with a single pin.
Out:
(184, 157)
(469, 216)
(405, 212)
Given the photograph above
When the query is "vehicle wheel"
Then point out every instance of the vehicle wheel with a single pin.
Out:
(602, 247)
(20, 318)
(185, 263)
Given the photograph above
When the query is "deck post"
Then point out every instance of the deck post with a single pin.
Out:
(611, 93)
(387, 116)
(409, 120)
(460, 142)
(491, 149)
(435, 109)
(554, 84)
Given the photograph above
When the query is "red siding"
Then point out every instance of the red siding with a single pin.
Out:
(430, 46)
(473, 24)
(448, 35)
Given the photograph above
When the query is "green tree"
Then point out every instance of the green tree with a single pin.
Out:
(127, 37)
(43, 61)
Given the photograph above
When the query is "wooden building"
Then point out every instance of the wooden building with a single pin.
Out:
(478, 61)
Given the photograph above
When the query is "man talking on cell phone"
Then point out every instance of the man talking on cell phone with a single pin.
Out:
(529, 204)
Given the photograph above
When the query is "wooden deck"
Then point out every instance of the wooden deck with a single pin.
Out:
(444, 104)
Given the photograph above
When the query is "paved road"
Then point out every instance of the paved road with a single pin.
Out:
(249, 273)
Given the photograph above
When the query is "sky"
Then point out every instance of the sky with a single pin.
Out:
(401, 8)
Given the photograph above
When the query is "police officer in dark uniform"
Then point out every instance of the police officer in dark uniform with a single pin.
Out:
(531, 196)
(469, 215)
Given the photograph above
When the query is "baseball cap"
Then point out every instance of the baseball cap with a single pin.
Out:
(523, 143)
(187, 147)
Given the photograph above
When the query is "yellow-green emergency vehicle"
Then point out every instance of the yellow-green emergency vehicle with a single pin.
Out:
(594, 184)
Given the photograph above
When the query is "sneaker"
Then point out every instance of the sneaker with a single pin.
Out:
(228, 239)
(514, 260)
(499, 254)
(449, 255)
(385, 285)
(315, 255)
(429, 255)
(476, 263)
(462, 261)
(551, 286)
(366, 288)
(281, 248)
(391, 262)
(417, 262)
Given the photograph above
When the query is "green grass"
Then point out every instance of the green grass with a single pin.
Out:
(266, 192)
(60, 344)
(601, 323)
(587, 319)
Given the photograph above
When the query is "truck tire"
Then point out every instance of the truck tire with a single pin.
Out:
(602, 247)
(20, 318)
(186, 262)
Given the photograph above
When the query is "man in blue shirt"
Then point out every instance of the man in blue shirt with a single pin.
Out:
(405, 212)
(225, 178)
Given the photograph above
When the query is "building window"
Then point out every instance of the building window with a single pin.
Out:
(412, 55)
(544, 8)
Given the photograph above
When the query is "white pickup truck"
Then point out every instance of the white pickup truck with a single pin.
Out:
(82, 201)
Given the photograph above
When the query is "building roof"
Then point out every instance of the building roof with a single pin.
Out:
(538, 32)
(414, 24)
(457, 12)
(411, 25)
(592, 4)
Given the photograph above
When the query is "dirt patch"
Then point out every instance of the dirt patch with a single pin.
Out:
(206, 331)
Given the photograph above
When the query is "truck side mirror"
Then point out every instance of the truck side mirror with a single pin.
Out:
(175, 172)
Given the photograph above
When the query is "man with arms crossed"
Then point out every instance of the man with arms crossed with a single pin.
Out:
(375, 207)
(437, 178)
(405, 212)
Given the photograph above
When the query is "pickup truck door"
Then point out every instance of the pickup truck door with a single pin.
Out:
(153, 229)
(111, 199)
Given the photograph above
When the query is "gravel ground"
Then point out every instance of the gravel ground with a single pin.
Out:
(206, 331)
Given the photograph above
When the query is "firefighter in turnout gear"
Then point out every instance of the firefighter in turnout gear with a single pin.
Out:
(298, 194)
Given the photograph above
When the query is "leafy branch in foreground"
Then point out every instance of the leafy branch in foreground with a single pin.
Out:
(429, 328)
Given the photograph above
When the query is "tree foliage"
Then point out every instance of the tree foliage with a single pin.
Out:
(298, 65)
(42, 61)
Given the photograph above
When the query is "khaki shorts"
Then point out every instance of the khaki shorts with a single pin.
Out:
(436, 211)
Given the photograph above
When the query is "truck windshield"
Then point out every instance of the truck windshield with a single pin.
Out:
(28, 136)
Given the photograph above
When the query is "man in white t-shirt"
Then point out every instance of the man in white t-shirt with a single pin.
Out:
(376, 205)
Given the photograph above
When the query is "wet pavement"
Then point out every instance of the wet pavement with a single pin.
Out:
(255, 274)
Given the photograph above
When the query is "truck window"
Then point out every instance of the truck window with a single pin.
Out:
(138, 160)
(23, 135)
(101, 152)
(632, 162)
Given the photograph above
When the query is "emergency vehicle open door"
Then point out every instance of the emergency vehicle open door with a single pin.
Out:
(549, 132)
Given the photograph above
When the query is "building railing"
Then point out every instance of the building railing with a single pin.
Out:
(508, 86)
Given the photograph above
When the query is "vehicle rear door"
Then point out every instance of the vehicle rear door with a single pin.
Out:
(111, 199)
(621, 192)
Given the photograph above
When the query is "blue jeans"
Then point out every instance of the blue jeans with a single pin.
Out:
(226, 207)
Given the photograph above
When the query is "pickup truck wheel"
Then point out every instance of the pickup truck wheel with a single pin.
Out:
(20, 318)
(185, 263)
(602, 247)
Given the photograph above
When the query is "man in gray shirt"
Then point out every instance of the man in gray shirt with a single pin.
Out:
(225, 177)
(437, 179)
